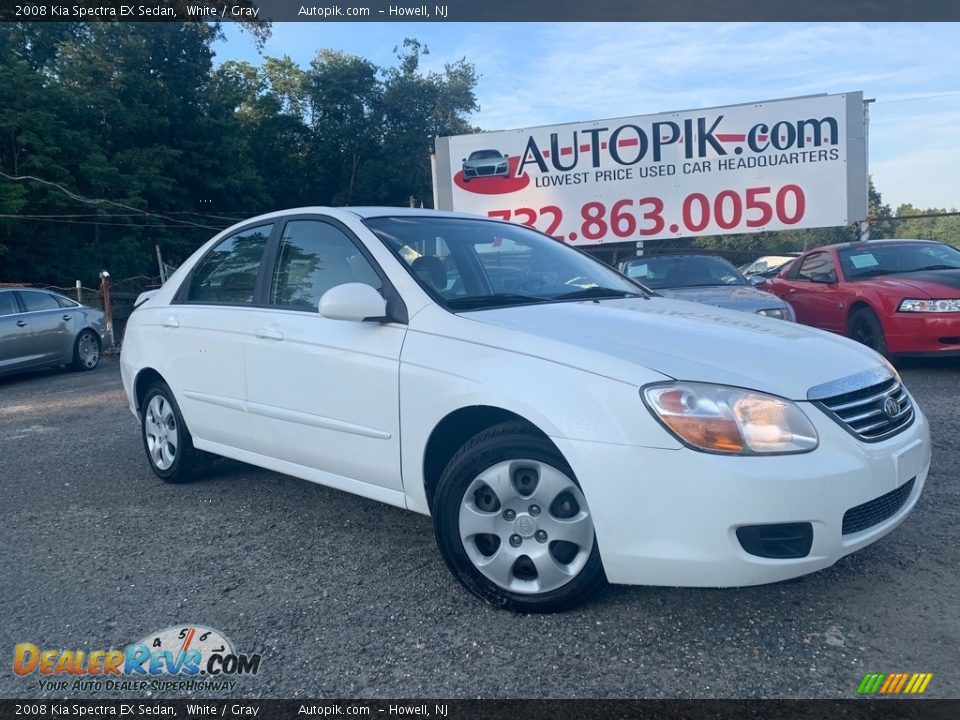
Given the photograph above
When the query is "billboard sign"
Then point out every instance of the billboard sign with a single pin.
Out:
(777, 165)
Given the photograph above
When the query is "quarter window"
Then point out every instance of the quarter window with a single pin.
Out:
(228, 274)
(313, 257)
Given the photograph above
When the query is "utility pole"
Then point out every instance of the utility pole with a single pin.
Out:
(105, 291)
(163, 272)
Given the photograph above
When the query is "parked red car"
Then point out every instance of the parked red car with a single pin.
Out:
(899, 297)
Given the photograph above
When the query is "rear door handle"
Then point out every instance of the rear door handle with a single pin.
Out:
(171, 322)
(269, 334)
(21, 323)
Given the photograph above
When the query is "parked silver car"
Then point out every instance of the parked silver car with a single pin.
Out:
(39, 329)
(704, 279)
(485, 163)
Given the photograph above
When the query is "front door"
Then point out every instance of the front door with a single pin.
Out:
(324, 393)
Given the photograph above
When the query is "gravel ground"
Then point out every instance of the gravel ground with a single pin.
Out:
(345, 597)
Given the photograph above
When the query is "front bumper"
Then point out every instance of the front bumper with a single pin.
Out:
(923, 333)
(669, 517)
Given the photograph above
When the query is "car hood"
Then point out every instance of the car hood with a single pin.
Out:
(939, 284)
(735, 297)
(683, 340)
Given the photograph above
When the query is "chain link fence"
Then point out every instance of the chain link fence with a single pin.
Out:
(738, 249)
(123, 294)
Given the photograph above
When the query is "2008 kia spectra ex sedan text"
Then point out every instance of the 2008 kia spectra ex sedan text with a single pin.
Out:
(562, 425)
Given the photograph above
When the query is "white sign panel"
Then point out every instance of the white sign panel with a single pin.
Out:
(779, 165)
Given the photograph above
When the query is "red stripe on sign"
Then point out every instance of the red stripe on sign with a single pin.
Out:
(546, 153)
(762, 138)
(566, 151)
(627, 142)
(728, 137)
(584, 148)
(603, 146)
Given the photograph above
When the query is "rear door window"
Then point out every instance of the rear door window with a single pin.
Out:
(8, 304)
(228, 273)
(36, 301)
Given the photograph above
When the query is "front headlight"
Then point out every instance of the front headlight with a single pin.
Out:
(729, 420)
(778, 313)
(914, 305)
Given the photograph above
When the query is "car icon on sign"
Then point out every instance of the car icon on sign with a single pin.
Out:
(485, 163)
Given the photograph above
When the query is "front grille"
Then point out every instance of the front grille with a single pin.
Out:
(877, 510)
(862, 413)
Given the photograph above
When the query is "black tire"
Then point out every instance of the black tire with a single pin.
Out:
(86, 351)
(509, 442)
(864, 327)
(187, 463)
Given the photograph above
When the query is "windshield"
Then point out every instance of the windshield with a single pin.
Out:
(870, 260)
(485, 155)
(470, 264)
(684, 271)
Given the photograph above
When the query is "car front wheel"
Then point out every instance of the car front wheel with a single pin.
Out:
(168, 443)
(865, 328)
(513, 524)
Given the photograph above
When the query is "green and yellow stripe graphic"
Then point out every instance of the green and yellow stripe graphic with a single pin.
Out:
(894, 683)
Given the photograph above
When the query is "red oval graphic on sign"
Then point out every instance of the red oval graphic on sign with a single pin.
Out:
(494, 185)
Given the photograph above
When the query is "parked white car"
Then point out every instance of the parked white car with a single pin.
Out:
(561, 426)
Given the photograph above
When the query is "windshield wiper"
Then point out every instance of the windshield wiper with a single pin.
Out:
(471, 302)
(933, 267)
(596, 292)
(871, 273)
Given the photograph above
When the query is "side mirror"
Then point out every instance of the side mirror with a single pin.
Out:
(756, 280)
(353, 301)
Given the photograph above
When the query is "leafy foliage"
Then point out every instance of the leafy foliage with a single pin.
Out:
(138, 115)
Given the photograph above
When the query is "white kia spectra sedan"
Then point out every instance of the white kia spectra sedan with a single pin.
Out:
(562, 425)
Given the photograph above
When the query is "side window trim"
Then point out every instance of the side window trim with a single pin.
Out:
(396, 307)
(180, 297)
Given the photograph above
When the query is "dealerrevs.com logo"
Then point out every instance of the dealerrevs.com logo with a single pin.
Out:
(182, 657)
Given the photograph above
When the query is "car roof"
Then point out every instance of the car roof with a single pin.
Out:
(667, 256)
(363, 212)
(879, 241)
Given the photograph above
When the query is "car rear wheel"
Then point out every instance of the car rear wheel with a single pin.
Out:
(168, 443)
(865, 327)
(513, 525)
(86, 351)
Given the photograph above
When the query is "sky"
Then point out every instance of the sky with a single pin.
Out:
(548, 73)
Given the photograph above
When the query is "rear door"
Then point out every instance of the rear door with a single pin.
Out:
(203, 333)
(16, 340)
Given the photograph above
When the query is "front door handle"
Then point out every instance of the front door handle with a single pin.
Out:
(21, 323)
(269, 334)
(171, 322)
(67, 318)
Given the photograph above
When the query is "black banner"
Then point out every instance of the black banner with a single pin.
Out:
(473, 11)
(887, 709)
